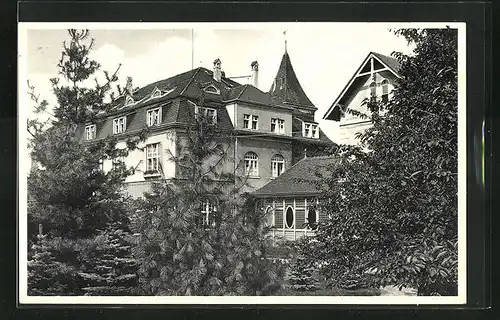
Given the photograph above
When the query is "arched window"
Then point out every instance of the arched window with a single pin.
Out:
(251, 164)
(373, 89)
(289, 218)
(277, 165)
(385, 90)
(269, 216)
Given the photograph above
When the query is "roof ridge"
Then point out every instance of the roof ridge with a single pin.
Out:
(197, 70)
(245, 86)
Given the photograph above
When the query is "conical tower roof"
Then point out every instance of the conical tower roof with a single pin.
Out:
(286, 87)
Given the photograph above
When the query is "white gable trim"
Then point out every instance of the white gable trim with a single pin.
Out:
(357, 74)
(128, 101)
(386, 66)
(156, 93)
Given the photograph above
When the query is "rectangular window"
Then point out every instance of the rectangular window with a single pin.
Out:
(154, 117)
(90, 132)
(153, 158)
(307, 129)
(208, 211)
(250, 122)
(314, 131)
(246, 121)
(119, 125)
(277, 125)
(209, 113)
(311, 130)
(277, 168)
(118, 161)
(255, 122)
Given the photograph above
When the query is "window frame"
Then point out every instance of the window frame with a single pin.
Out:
(279, 125)
(255, 120)
(253, 163)
(385, 90)
(270, 211)
(311, 130)
(204, 110)
(275, 165)
(115, 161)
(285, 218)
(116, 125)
(93, 132)
(208, 208)
(373, 89)
(149, 117)
(246, 121)
(153, 155)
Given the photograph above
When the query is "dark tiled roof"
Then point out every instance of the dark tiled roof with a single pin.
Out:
(303, 178)
(286, 87)
(187, 84)
(389, 61)
(251, 94)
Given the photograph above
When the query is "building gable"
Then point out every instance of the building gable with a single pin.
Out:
(374, 63)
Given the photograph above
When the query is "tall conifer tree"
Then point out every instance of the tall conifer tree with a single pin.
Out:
(68, 192)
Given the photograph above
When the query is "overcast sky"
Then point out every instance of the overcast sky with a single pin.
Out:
(324, 56)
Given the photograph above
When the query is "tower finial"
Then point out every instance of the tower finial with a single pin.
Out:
(284, 33)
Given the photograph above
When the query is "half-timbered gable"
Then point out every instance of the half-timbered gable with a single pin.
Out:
(375, 79)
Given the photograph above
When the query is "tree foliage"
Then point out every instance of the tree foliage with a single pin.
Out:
(46, 275)
(108, 266)
(394, 219)
(195, 235)
(68, 193)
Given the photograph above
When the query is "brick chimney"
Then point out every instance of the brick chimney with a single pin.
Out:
(217, 70)
(128, 86)
(255, 74)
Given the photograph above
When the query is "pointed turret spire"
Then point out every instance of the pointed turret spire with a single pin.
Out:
(286, 87)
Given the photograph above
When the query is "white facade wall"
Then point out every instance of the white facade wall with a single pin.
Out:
(264, 113)
(349, 124)
(137, 157)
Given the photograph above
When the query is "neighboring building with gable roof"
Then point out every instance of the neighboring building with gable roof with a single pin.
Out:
(272, 129)
(374, 79)
(292, 201)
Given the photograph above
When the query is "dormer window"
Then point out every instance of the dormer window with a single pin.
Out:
(119, 125)
(209, 113)
(128, 101)
(90, 132)
(154, 117)
(212, 89)
(156, 93)
(307, 129)
(310, 130)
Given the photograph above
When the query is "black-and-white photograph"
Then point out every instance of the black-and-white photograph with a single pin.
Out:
(284, 163)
